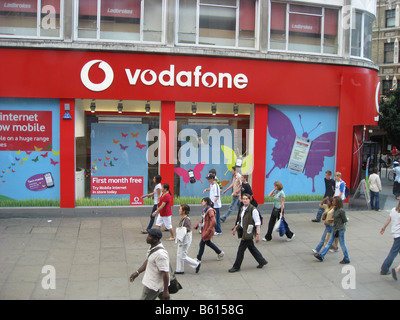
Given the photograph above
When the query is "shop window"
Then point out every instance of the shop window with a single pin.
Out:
(361, 35)
(390, 18)
(121, 20)
(303, 28)
(206, 143)
(227, 23)
(31, 19)
(112, 153)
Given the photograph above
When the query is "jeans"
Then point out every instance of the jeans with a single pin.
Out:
(374, 200)
(234, 204)
(328, 229)
(248, 244)
(151, 218)
(319, 214)
(218, 219)
(391, 256)
(208, 243)
(342, 245)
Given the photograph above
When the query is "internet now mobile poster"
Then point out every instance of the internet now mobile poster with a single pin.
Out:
(29, 149)
(119, 166)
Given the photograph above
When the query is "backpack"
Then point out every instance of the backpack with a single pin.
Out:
(346, 192)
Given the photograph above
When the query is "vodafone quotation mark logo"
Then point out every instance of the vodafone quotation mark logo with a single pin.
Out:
(109, 75)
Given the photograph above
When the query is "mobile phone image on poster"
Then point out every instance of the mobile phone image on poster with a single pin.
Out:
(299, 154)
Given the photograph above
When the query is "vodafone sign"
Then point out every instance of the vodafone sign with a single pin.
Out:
(169, 77)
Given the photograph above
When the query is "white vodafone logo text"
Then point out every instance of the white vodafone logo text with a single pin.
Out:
(167, 78)
(109, 76)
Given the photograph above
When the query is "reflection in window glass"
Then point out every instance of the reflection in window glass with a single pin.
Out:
(304, 28)
(367, 36)
(227, 23)
(19, 19)
(356, 36)
(124, 20)
(361, 35)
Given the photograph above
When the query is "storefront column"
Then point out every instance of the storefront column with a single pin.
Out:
(167, 143)
(67, 154)
(259, 121)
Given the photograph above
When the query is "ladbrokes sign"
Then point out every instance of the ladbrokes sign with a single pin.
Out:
(170, 77)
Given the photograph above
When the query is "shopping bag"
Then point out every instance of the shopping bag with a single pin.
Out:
(283, 227)
(277, 225)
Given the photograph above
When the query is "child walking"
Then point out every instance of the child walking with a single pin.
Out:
(184, 240)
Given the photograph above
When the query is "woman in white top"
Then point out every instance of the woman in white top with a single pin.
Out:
(156, 196)
(375, 187)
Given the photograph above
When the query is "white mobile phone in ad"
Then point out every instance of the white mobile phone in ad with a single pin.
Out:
(49, 180)
(299, 154)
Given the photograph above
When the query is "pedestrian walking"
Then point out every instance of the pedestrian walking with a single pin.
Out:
(247, 225)
(155, 268)
(329, 192)
(164, 208)
(396, 183)
(235, 186)
(277, 211)
(394, 219)
(339, 229)
(340, 186)
(375, 187)
(327, 216)
(208, 221)
(156, 196)
(215, 196)
(184, 240)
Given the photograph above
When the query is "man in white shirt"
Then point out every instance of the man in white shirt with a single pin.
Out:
(340, 186)
(156, 267)
(249, 224)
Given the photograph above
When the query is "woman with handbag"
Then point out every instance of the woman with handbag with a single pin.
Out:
(277, 211)
(339, 229)
(184, 240)
(208, 220)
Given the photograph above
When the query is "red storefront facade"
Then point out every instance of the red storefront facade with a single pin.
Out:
(69, 75)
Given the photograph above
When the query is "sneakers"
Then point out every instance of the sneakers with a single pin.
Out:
(318, 256)
(315, 220)
(344, 261)
(217, 233)
(333, 250)
(198, 267)
(290, 239)
(262, 264)
(394, 274)
(220, 255)
(315, 251)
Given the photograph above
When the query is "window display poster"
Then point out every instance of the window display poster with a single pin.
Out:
(301, 146)
(201, 151)
(29, 149)
(119, 151)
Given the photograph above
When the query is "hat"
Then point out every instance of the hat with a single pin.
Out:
(210, 176)
(155, 233)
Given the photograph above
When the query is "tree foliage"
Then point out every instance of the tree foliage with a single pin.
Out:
(389, 117)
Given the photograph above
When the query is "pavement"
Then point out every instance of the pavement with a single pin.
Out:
(91, 258)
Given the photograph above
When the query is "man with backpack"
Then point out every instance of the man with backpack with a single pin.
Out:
(340, 187)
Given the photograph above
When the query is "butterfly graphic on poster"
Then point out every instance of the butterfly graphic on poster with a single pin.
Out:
(140, 146)
(191, 175)
(281, 128)
(246, 163)
(123, 147)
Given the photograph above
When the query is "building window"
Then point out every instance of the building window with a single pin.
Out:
(120, 20)
(31, 19)
(388, 55)
(224, 23)
(390, 18)
(361, 35)
(303, 28)
(387, 85)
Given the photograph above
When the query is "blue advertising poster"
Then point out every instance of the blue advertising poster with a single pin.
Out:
(119, 150)
(301, 146)
(29, 149)
(201, 151)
